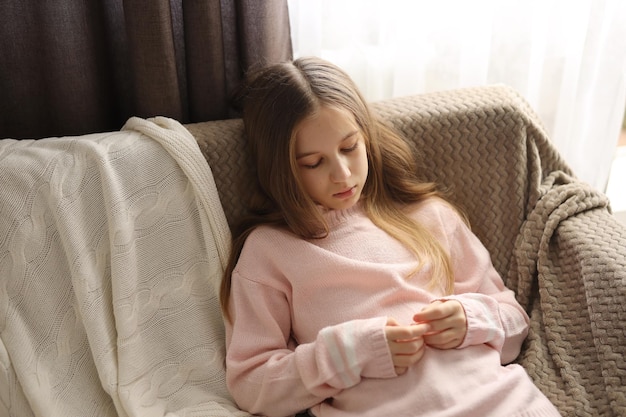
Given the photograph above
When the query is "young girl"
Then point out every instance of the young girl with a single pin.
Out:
(353, 288)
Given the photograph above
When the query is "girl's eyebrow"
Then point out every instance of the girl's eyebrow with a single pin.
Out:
(346, 137)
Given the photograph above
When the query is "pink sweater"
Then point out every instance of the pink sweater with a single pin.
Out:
(309, 317)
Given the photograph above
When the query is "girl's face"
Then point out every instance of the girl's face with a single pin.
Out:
(331, 157)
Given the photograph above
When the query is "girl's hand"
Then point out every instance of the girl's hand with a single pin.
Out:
(406, 343)
(447, 321)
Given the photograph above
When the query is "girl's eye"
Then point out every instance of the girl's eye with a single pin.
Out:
(313, 166)
(351, 148)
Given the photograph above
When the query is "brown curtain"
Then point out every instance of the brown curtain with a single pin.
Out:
(70, 67)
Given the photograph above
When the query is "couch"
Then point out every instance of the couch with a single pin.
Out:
(112, 247)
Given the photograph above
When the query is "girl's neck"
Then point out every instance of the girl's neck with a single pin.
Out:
(335, 217)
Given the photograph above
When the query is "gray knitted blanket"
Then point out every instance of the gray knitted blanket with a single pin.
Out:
(575, 296)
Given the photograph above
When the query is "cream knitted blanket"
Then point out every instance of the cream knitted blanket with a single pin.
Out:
(111, 250)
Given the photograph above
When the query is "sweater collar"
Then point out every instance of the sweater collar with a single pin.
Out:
(336, 217)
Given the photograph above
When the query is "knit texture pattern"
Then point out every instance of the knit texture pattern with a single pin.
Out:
(111, 250)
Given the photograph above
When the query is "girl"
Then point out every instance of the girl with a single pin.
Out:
(353, 288)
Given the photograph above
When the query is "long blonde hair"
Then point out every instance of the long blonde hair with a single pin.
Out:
(273, 101)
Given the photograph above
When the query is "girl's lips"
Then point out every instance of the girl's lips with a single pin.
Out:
(345, 194)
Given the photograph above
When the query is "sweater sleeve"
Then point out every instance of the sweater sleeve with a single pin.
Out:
(494, 317)
(267, 375)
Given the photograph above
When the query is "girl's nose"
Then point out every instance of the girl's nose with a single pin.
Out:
(340, 170)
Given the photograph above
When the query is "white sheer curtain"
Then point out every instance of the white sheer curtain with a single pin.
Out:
(567, 58)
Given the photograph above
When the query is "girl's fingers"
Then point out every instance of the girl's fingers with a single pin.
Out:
(407, 347)
(401, 360)
(406, 333)
(400, 370)
(447, 321)
(440, 310)
(448, 339)
(406, 344)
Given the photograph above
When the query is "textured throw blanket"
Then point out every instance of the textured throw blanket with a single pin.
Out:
(111, 250)
(576, 348)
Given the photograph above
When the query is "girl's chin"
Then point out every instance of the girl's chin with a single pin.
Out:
(343, 204)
